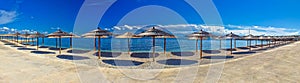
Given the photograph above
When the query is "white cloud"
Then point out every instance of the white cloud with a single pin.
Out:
(261, 30)
(117, 28)
(190, 28)
(178, 28)
(7, 16)
(5, 30)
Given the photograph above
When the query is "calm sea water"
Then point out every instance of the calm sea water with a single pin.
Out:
(145, 44)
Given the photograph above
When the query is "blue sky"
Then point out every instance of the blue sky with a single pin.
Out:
(237, 15)
(41, 15)
(278, 13)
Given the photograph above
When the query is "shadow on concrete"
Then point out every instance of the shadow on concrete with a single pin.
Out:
(72, 57)
(177, 62)
(42, 52)
(122, 62)
(183, 54)
(108, 54)
(143, 55)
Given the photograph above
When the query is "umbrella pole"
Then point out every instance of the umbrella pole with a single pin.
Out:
(201, 47)
(220, 44)
(21, 40)
(37, 43)
(99, 47)
(128, 40)
(32, 41)
(59, 44)
(250, 45)
(269, 43)
(71, 42)
(234, 43)
(26, 41)
(255, 42)
(231, 46)
(95, 44)
(165, 40)
(17, 39)
(153, 46)
(56, 42)
(247, 43)
(261, 43)
(43, 41)
(196, 45)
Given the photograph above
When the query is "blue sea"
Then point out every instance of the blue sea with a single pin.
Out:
(145, 44)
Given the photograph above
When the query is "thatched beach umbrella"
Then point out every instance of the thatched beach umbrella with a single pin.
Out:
(10, 37)
(257, 38)
(261, 38)
(127, 35)
(269, 38)
(26, 35)
(95, 39)
(153, 32)
(98, 33)
(17, 34)
(220, 40)
(43, 38)
(195, 38)
(232, 36)
(71, 36)
(3, 36)
(249, 37)
(59, 34)
(201, 34)
(275, 38)
(165, 40)
(37, 35)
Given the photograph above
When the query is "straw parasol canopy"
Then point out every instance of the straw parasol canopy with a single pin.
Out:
(71, 36)
(59, 34)
(232, 36)
(97, 33)
(26, 35)
(200, 34)
(17, 34)
(153, 32)
(43, 38)
(275, 39)
(249, 37)
(6, 36)
(220, 39)
(261, 38)
(10, 36)
(165, 40)
(127, 35)
(270, 38)
(37, 35)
